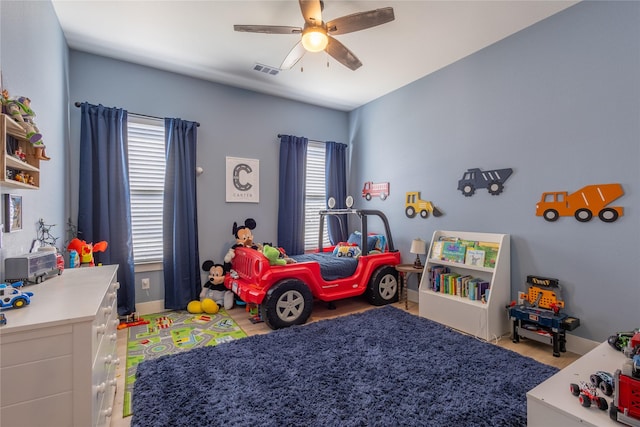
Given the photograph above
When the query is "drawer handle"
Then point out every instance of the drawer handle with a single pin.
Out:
(101, 329)
(107, 310)
(107, 412)
(113, 337)
(101, 388)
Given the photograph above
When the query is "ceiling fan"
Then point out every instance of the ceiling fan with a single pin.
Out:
(317, 34)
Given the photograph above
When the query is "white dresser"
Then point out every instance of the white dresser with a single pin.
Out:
(58, 355)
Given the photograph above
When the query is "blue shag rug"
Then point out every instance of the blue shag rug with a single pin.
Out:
(382, 367)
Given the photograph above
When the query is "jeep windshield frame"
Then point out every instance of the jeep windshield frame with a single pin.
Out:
(363, 214)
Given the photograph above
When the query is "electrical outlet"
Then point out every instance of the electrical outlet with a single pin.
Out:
(145, 283)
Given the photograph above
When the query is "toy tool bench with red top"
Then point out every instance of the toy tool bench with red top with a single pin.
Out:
(540, 316)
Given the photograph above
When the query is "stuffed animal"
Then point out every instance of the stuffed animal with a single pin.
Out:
(273, 255)
(214, 289)
(85, 250)
(243, 236)
(20, 110)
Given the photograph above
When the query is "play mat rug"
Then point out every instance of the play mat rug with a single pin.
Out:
(173, 332)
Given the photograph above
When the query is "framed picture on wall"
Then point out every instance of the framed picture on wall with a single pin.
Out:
(243, 180)
(12, 213)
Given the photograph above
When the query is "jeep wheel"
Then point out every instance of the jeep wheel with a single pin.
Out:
(605, 388)
(383, 286)
(287, 303)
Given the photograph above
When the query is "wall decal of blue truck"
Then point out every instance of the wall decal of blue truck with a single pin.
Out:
(492, 180)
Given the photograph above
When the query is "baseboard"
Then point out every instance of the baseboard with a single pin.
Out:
(574, 343)
(150, 307)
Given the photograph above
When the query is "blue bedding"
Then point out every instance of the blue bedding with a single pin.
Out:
(331, 266)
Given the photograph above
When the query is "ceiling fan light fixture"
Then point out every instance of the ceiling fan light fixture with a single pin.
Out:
(314, 39)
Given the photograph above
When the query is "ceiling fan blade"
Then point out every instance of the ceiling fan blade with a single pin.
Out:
(267, 29)
(311, 11)
(343, 55)
(293, 57)
(360, 21)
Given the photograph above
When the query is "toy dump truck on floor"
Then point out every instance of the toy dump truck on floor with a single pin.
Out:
(583, 204)
(492, 180)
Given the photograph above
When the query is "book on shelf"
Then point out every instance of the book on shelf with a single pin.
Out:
(490, 252)
(474, 257)
(454, 252)
(436, 249)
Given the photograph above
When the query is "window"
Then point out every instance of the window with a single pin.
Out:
(146, 183)
(315, 196)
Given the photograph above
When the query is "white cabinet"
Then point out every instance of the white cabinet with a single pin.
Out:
(58, 355)
(483, 319)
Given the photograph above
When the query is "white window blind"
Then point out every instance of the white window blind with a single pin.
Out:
(315, 196)
(146, 183)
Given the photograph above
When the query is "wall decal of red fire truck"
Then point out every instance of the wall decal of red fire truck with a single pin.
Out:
(379, 189)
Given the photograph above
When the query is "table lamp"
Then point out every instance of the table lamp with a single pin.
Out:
(418, 247)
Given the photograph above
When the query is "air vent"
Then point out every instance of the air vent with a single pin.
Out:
(272, 71)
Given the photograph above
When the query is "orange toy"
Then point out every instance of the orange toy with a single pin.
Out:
(86, 250)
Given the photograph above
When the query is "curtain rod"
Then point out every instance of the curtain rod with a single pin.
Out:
(78, 104)
(312, 140)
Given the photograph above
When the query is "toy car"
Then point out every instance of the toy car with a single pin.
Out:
(3, 319)
(12, 297)
(587, 394)
(604, 381)
(348, 251)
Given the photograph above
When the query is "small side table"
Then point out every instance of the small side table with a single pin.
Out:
(405, 271)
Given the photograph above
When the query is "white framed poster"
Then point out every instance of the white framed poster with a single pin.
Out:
(243, 180)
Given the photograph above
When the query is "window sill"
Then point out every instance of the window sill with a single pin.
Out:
(152, 266)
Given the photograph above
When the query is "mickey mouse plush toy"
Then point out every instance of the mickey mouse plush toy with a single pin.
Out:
(243, 236)
(214, 288)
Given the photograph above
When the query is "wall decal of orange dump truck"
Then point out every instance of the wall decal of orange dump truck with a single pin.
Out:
(583, 204)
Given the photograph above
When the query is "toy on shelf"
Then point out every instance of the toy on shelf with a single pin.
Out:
(33, 267)
(11, 296)
(539, 316)
(86, 250)
(587, 394)
(603, 381)
(20, 110)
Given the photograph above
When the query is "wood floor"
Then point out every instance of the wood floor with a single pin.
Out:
(533, 349)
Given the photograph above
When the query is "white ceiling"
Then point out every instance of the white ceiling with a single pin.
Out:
(196, 38)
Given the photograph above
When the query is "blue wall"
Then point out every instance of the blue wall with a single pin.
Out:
(559, 103)
(33, 60)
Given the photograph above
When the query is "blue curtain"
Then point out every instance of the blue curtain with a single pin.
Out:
(336, 185)
(293, 164)
(181, 259)
(104, 202)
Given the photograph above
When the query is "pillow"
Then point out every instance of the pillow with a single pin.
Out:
(374, 242)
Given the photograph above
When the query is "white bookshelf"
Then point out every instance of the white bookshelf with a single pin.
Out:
(486, 320)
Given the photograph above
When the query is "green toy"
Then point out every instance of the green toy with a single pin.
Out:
(273, 255)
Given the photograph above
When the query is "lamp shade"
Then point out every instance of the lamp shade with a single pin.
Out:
(418, 246)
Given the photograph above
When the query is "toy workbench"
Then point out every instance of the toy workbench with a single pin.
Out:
(540, 318)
